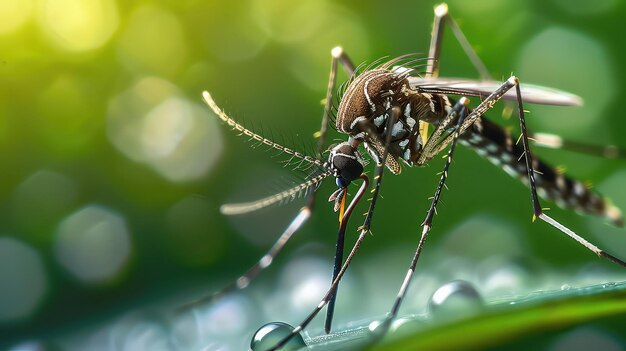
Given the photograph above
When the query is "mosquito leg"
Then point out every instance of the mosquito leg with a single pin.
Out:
(331, 291)
(302, 216)
(338, 55)
(394, 114)
(477, 113)
(244, 280)
(538, 212)
(441, 18)
(434, 52)
(427, 151)
(427, 223)
(330, 310)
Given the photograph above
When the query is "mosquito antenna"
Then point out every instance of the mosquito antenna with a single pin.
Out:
(286, 195)
(254, 136)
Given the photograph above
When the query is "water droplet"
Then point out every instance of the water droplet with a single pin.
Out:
(405, 325)
(455, 299)
(271, 333)
(374, 325)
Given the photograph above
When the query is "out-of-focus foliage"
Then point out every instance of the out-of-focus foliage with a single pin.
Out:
(113, 171)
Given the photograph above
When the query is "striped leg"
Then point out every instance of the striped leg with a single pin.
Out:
(538, 213)
(432, 148)
(462, 126)
(427, 223)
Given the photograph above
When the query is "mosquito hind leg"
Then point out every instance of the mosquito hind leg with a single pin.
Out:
(442, 17)
(537, 210)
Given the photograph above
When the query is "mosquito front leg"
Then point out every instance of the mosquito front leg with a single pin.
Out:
(394, 114)
(332, 290)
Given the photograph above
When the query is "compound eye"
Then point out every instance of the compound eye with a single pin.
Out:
(342, 183)
(347, 164)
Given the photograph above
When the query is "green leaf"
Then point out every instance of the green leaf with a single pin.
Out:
(499, 322)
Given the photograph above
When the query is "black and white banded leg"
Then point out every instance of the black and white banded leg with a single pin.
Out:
(513, 82)
(461, 107)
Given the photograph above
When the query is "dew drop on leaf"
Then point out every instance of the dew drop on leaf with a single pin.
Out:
(271, 333)
(455, 299)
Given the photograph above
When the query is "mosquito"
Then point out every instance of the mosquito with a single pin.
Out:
(400, 110)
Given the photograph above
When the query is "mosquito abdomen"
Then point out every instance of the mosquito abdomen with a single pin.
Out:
(500, 148)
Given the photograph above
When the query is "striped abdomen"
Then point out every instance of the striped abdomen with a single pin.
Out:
(499, 147)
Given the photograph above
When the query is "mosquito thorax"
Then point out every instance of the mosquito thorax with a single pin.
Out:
(370, 95)
(367, 105)
(345, 162)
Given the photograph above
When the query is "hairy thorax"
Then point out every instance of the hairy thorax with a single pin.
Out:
(366, 107)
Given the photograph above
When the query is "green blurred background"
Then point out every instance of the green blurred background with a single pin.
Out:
(113, 171)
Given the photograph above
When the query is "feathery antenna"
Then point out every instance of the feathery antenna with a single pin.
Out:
(289, 194)
(254, 136)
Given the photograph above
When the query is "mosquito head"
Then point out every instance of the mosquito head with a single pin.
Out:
(368, 96)
(346, 163)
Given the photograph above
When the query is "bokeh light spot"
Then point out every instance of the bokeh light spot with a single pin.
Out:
(22, 278)
(79, 25)
(13, 14)
(93, 244)
(152, 123)
(230, 32)
(153, 42)
(568, 60)
(287, 21)
(310, 60)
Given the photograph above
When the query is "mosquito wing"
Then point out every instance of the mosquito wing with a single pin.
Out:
(460, 86)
